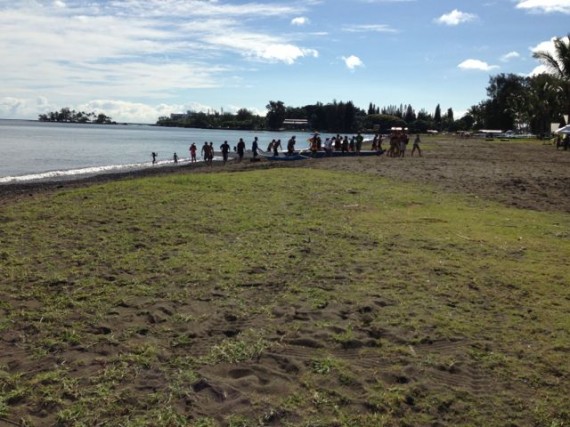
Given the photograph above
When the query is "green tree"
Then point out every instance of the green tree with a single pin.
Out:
(383, 122)
(373, 109)
(243, 114)
(392, 110)
(477, 114)
(275, 114)
(103, 119)
(420, 126)
(542, 104)
(296, 113)
(349, 112)
(558, 63)
(437, 117)
(448, 122)
(67, 115)
(410, 115)
(465, 123)
(424, 115)
(502, 87)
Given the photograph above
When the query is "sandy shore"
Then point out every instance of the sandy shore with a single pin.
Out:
(19, 189)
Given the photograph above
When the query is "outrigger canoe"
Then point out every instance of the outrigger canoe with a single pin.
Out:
(321, 154)
(285, 157)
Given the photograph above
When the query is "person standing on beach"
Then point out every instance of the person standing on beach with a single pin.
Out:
(337, 143)
(291, 146)
(270, 146)
(193, 153)
(345, 144)
(225, 147)
(359, 141)
(416, 146)
(329, 145)
(254, 148)
(206, 153)
(153, 154)
(379, 148)
(175, 158)
(211, 153)
(240, 149)
(403, 143)
(394, 150)
(276, 147)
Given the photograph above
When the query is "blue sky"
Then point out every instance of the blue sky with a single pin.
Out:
(136, 60)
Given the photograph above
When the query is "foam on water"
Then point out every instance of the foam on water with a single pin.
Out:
(61, 175)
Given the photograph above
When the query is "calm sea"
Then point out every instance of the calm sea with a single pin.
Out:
(31, 150)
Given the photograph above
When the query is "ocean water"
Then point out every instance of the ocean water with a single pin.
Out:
(32, 151)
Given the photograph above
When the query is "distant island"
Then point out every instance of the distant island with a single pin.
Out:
(65, 115)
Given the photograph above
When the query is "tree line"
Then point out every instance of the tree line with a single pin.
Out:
(513, 102)
(334, 116)
(529, 103)
(66, 115)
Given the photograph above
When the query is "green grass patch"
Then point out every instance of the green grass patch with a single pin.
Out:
(396, 302)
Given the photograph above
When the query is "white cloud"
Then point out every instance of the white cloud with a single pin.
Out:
(202, 8)
(260, 47)
(300, 21)
(120, 111)
(235, 108)
(455, 17)
(131, 49)
(509, 56)
(378, 28)
(476, 64)
(546, 6)
(352, 62)
(10, 106)
(131, 112)
(24, 107)
(541, 69)
(548, 47)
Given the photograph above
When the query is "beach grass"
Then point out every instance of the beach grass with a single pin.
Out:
(352, 300)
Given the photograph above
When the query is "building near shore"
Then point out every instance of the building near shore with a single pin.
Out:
(295, 123)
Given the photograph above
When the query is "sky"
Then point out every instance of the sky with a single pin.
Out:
(137, 60)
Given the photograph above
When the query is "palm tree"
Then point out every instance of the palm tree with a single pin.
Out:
(559, 65)
(544, 102)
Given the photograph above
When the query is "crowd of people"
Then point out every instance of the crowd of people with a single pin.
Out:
(398, 142)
